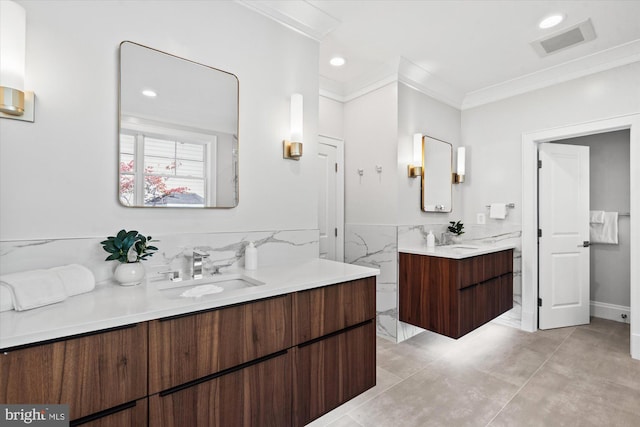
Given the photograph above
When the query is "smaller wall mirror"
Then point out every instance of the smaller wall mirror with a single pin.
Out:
(178, 133)
(437, 161)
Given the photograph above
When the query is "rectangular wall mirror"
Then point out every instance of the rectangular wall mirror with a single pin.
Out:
(437, 160)
(178, 132)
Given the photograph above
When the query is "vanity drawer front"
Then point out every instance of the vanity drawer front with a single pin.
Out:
(332, 370)
(321, 311)
(89, 373)
(256, 395)
(497, 264)
(189, 347)
(478, 269)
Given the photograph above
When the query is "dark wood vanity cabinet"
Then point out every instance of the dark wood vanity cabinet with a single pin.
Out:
(454, 296)
(335, 359)
(279, 361)
(90, 373)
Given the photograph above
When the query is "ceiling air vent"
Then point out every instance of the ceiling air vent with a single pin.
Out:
(569, 37)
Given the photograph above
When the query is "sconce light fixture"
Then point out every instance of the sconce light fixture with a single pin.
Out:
(415, 168)
(458, 177)
(15, 103)
(293, 149)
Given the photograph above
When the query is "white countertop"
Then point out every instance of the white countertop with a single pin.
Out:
(457, 251)
(110, 305)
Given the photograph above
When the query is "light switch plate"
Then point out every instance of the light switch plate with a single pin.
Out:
(481, 218)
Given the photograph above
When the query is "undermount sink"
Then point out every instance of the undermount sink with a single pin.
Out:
(467, 247)
(219, 284)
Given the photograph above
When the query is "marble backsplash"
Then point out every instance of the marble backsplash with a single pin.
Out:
(377, 246)
(226, 250)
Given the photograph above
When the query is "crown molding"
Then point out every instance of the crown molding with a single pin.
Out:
(600, 61)
(299, 16)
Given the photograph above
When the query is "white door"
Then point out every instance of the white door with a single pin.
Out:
(327, 217)
(563, 217)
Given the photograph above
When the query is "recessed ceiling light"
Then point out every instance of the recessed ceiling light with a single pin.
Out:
(337, 61)
(551, 21)
(150, 93)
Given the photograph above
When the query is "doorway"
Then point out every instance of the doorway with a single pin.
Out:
(530, 259)
(331, 198)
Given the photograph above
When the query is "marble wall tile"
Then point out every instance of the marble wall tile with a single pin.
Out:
(226, 250)
(376, 246)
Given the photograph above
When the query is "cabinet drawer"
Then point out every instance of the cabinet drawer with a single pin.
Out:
(90, 373)
(186, 348)
(332, 370)
(474, 270)
(321, 311)
(130, 415)
(256, 395)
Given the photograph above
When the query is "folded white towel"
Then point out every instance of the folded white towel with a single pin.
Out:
(607, 232)
(498, 210)
(76, 279)
(596, 217)
(6, 300)
(201, 290)
(35, 288)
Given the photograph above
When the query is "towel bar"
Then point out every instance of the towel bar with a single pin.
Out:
(509, 205)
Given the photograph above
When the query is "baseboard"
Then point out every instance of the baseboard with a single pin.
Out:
(528, 322)
(635, 346)
(610, 311)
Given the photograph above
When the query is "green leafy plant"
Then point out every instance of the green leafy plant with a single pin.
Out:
(456, 227)
(128, 246)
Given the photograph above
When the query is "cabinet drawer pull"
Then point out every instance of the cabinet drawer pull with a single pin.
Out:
(220, 374)
(341, 331)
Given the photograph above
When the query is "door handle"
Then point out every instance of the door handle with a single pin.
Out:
(585, 244)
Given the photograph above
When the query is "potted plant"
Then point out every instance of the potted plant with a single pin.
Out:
(455, 228)
(129, 248)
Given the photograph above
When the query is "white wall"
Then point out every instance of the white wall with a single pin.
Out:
(370, 133)
(419, 113)
(493, 132)
(609, 169)
(331, 118)
(58, 176)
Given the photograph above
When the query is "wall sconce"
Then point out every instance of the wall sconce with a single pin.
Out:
(458, 177)
(15, 103)
(293, 149)
(413, 170)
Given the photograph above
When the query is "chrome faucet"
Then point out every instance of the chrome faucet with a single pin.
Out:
(198, 260)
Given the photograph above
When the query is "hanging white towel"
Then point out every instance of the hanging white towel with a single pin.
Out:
(76, 279)
(498, 210)
(35, 288)
(596, 217)
(607, 232)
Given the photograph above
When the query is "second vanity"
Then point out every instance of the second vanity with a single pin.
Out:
(282, 353)
(454, 289)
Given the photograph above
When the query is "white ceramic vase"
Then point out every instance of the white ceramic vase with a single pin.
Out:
(129, 274)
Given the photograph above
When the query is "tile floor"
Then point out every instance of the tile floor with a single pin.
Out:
(501, 376)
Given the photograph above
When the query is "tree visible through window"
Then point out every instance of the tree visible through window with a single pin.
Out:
(171, 173)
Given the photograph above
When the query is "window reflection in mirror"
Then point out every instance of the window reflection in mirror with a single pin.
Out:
(178, 131)
(437, 158)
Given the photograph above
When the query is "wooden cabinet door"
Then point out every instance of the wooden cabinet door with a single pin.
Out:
(90, 373)
(133, 414)
(321, 311)
(257, 395)
(330, 371)
(186, 348)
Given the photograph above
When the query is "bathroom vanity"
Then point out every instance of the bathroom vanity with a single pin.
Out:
(454, 289)
(282, 354)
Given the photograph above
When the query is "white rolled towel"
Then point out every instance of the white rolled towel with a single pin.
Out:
(76, 279)
(6, 299)
(35, 288)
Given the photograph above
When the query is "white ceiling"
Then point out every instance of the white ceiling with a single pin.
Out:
(463, 52)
